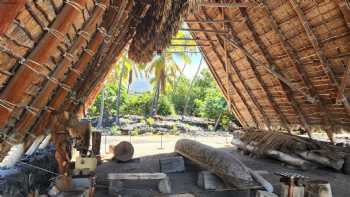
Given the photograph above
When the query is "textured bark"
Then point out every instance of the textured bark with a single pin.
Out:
(222, 163)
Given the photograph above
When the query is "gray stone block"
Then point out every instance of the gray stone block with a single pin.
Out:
(209, 181)
(172, 164)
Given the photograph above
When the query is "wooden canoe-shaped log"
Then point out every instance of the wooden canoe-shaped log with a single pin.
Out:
(219, 162)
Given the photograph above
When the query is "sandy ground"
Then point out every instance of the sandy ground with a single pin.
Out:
(148, 151)
(156, 144)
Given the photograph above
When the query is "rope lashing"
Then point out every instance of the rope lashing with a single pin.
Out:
(57, 34)
(77, 72)
(84, 34)
(69, 56)
(102, 6)
(75, 5)
(89, 52)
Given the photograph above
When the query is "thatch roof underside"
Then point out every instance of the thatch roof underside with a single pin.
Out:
(280, 64)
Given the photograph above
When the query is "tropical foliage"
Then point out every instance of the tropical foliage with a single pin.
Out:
(204, 100)
(173, 93)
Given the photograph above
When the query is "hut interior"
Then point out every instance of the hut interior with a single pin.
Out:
(281, 65)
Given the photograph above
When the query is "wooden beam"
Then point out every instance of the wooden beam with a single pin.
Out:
(225, 5)
(8, 12)
(210, 21)
(261, 82)
(189, 45)
(204, 31)
(235, 88)
(195, 39)
(31, 68)
(323, 59)
(293, 56)
(51, 85)
(344, 82)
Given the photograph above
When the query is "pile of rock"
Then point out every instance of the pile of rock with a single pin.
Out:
(168, 124)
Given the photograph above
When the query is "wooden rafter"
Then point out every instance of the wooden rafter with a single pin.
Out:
(32, 67)
(204, 30)
(344, 82)
(225, 5)
(323, 59)
(298, 65)
(319, 51)
(6, 17)
(52, 84)
(265, 89)
(235, 88)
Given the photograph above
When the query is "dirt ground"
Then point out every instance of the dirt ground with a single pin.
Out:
(148, 152)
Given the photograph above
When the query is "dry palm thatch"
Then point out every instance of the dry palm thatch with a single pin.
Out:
(161, 22)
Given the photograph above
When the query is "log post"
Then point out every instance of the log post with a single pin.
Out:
(124, 151)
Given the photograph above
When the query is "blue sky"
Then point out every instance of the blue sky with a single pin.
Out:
(142, 84)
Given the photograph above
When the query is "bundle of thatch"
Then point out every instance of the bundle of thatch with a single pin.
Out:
(154, 33)
(290, 149)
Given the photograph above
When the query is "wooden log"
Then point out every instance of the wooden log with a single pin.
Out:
(311, 156)
(318, 188)
(221, 163)
(123, 151)
(32, 67)
(260, 179)
(289, 159)
(8, 12)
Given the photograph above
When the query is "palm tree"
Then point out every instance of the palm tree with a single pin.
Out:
(124, 70)
(191, 85)
(164, 69)
(100, 119)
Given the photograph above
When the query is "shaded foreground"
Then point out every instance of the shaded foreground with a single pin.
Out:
(186, 182)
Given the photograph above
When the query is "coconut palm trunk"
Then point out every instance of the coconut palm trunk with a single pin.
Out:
(118, 101)
(190, 88)
(154, 108)
(100, 120)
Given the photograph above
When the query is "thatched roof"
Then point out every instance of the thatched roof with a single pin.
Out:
(286, 64)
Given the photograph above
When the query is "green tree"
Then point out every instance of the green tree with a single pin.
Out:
(123, 71)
